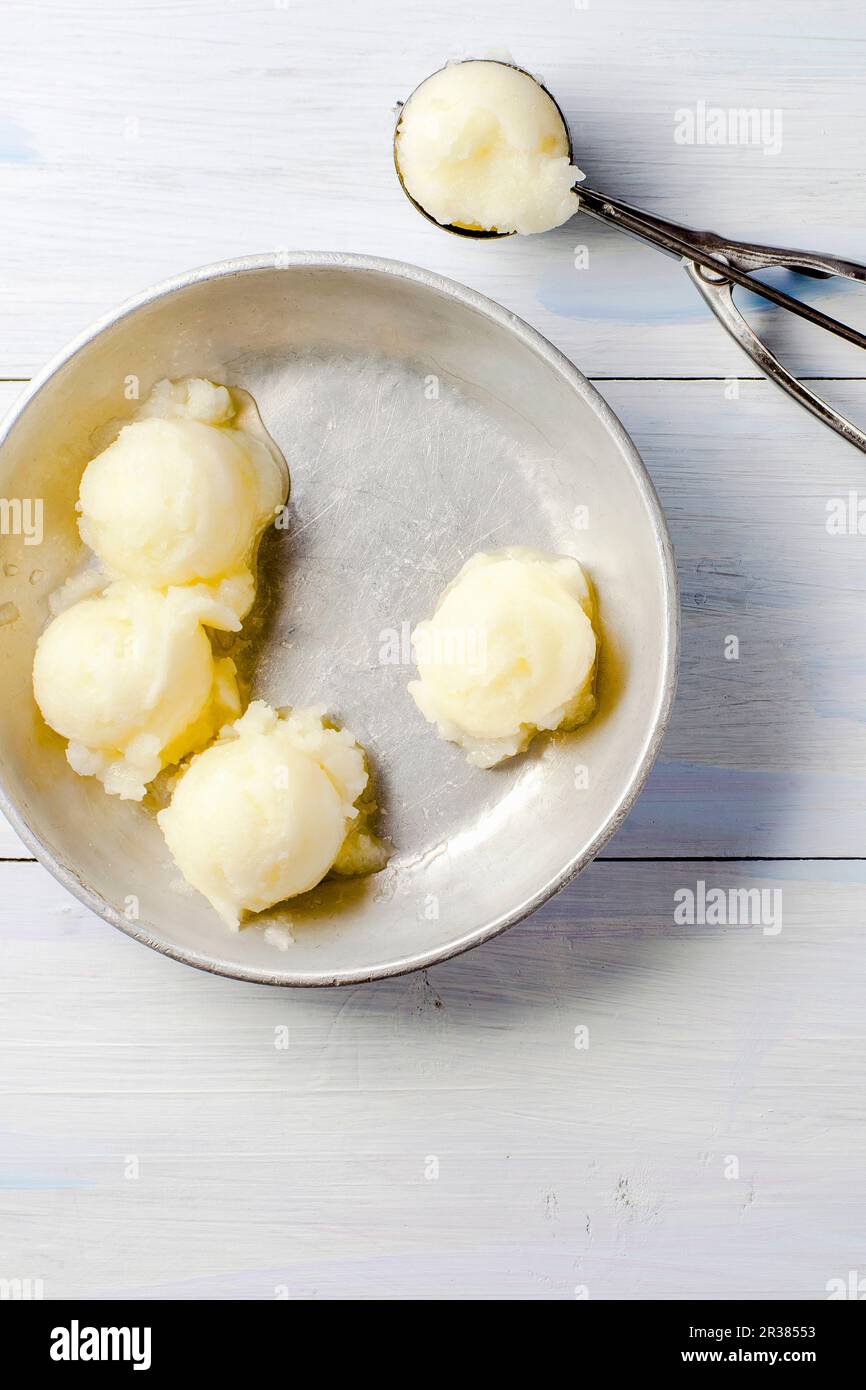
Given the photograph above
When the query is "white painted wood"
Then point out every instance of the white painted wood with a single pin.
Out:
(138, 140)
(304, 1168)
(765, 754)
(11, 847)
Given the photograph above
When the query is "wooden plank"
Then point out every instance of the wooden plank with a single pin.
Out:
(9, 393)
(142, 1097)
(139, 143)
(11, 847)
(308, 1169)
(765, 755)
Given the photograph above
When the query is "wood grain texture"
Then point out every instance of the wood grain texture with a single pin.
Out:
(262, 1168)
(154, 1137)
(139, 140)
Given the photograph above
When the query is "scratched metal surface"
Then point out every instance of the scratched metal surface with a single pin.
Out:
(420, 425)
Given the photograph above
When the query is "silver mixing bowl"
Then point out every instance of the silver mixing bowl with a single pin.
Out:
(421, 422)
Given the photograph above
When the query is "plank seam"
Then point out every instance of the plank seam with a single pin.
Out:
(670, 859)
(25, 380)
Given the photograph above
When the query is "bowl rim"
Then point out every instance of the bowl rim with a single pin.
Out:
(574, 378)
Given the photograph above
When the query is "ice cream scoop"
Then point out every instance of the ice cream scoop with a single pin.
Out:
(268, 810)
(482, 155)
(510, 650)
(183, 495)
(129, 678)
(482, 148)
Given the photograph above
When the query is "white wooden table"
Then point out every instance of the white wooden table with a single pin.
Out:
(449, 1134)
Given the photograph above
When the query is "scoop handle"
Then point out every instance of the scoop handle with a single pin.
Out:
(714, 265)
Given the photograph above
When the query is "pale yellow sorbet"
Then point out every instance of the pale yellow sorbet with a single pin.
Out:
(482, 145)
(271, 808)
(129, 678)
(182, 497)
(510, 650)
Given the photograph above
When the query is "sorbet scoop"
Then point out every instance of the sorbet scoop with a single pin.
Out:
(715, 265)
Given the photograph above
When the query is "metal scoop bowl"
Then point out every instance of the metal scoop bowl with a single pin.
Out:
(715, 265)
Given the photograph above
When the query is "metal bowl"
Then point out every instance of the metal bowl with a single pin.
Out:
(421, 422)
